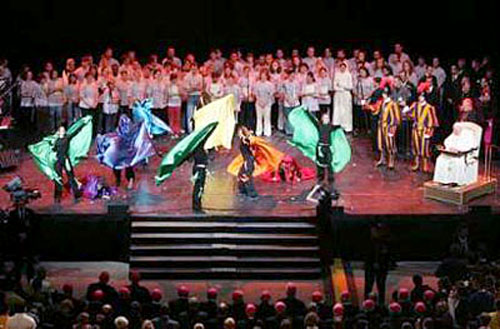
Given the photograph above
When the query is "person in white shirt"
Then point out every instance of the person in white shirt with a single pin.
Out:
(438, 72)
(55, 97)
(329, 61)
(41, 103)
(264, 98)
(215, 88)
(325, 89)
(85, 65)
(397, 58)
(68, 70)
(342, 99)
(452, 169)
(247, 113)
(193, 85)
(409, 71)
(27, 92)
(89, 99)
(123, 86)
(21, 319)
(156, 92)
(310, 94)
(310, 60)
(420, 68)
(110, 104)
(174, 103)
(107, 59)
(363, 89)
(137, 90)
(290, 93)
(280, 57)
(171, 58)
(277, 116)
(71, 99)
(231, 87)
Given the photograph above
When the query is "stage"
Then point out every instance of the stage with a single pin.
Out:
(365, 190)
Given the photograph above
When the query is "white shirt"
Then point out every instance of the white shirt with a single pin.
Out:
(123, 87)
(193, 83)
(89, 96)
(440, 75)
(173, 95)
(156, 91)
(309, 98)
(55, 92)
(28, 93)
(71, 93)
(21, 321)
(264, 93)
(110, 100)
(324, 88)
(290, 90)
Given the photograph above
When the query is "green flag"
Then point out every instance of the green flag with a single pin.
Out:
(181, 151)
(306, 138)
(44, 156)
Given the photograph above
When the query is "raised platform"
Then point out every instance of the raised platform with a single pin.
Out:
(460, 195)
(365, 190)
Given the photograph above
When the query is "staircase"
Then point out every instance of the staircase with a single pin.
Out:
(224, 248)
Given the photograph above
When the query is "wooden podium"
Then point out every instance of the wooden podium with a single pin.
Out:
(460, 195)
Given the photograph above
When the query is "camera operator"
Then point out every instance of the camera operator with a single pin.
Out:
(18, 226)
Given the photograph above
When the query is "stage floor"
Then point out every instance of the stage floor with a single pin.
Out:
(365, 190)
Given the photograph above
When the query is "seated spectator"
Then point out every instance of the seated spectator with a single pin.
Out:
(110, 294)
(21, 319)
(163, 321)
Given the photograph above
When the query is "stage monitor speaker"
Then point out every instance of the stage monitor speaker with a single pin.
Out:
(481, 210)
(118, 209)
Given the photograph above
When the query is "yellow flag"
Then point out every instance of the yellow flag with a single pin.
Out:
(221, 111)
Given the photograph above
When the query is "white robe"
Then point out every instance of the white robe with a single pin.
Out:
(342, 101)
(460, 170)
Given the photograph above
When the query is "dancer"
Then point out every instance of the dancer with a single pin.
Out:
(266, 157)
(324, 155)
(123, 149)
(63, 151)
(323, 143)
(289, 171)
(141, 111)
(388, 119)
(425, 121)
(245, 174)
(199, 176)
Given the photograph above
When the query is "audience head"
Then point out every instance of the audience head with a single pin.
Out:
(182, 291)
(121, 322)
(291, 289)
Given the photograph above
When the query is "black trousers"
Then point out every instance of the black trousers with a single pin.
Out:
(129, 174)
(245, 178)
(361, 121)
(324, 168)
(247, 116)
(199, 186)
(373, 276)
(71, 178)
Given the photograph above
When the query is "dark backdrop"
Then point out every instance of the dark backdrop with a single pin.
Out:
(36, 30)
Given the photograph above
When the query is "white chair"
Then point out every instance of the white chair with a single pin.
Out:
(461, 167)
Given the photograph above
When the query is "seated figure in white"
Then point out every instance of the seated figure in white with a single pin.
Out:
(458, 163)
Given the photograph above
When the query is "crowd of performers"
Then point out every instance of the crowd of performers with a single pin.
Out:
(405, 106)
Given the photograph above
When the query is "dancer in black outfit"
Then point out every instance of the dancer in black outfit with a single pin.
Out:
(63, 162)
(245, 178)
(199, 175)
